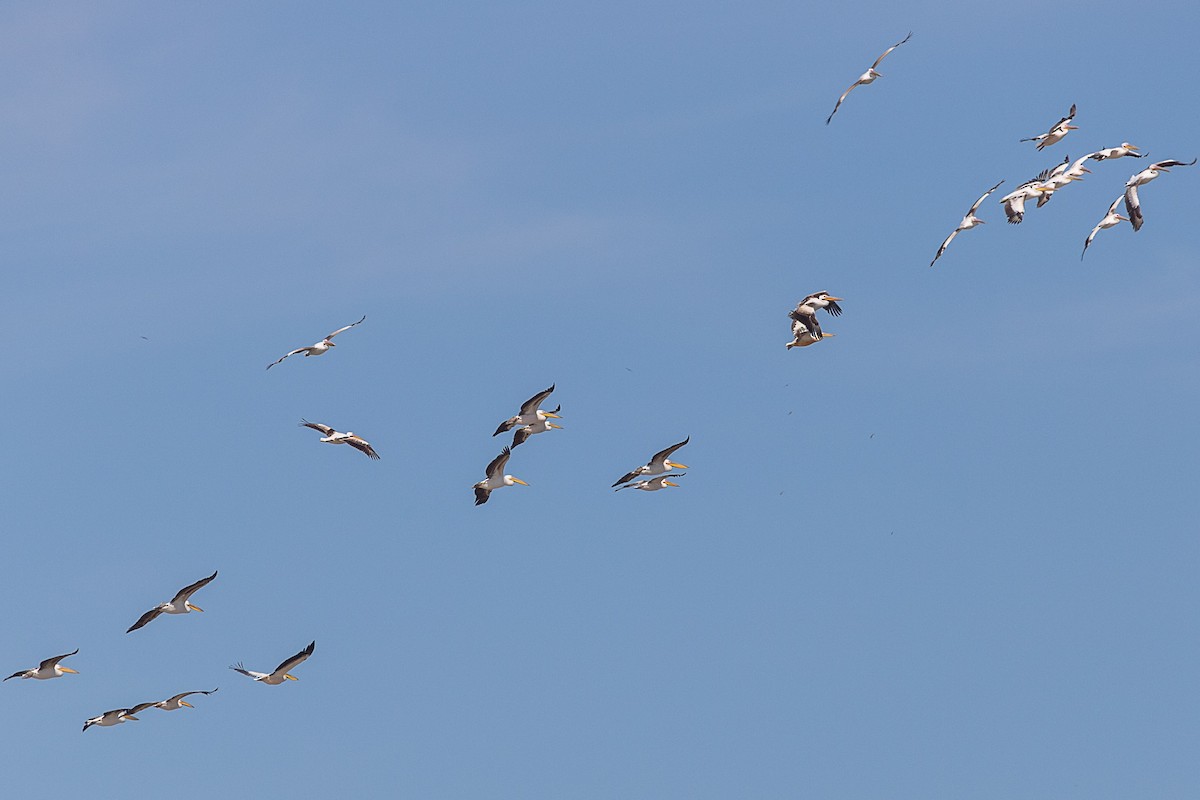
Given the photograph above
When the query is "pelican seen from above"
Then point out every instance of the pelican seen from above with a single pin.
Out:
(1126, 149)
(659, 463)
(867, 77)
(281, 673)
(495, 478)
(50, 668)
(534, 428)
(1057, 131)
(321, 347)
(530, 413)
(1133, 203)
(179, 604)
(177, 702)
(116, 716)
(337, 437)
(652, 484)
(968, 221)
(1110, 219)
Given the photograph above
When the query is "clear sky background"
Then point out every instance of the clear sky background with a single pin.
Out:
(950, 553)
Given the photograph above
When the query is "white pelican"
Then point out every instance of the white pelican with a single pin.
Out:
(1110, 219)
(659, 463)
(1057, 131)
(1014, 201)
(530, 413)
(806, 311)
(281, 672)
(534, 428)
(867, 77)
(320, 347)
(116, 716)
(337, 437)
(177, 702)
(1126, 149)
(177, 605)
(802, 336)
(968, 221)
(652, 484)
(1133, 204)
(495, 478)
(1059, 176)
(50, 668)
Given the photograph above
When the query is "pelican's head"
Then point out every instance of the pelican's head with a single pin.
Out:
(510, 480)
(673, 465)
(668, 483)
(193, 608)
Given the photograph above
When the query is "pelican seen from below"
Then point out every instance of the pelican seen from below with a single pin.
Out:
(337, 437)
(281, 673)
(1133, 203)
(1110, 219)
(652, 484)
(806, 311)
(176, 702)
(659, 463)
(968, 221)
(50, 668)
(867, 77)
(321, 347)
(1126, 149)
(179, 604)
(802, 336)
(1057, 131)
(116, 716)
(495, 478)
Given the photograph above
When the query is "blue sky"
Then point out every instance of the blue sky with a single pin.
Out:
(949, 553)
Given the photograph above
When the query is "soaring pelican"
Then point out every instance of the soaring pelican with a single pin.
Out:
(802, 336)
(495, 478)
(969, 221)
(1110, 219)
(530, 413)
(659, 463)
(535, 427)
(177, 605)
(281, 672)
(320, 347)
(652, 484)
(1133, 204)
(116, 716)
(867, 77)
(177, 702)
(337, 437)
(1057, 131)
(50, 668)
(1126, 149)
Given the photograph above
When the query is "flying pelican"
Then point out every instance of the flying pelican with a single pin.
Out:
(652, 484)
(658, 464)
(530, 413)
(1126, 149)
(320, 347)
(969, 221)
(177, 702)
(1110, 219)
(50, 668)
(802, 336)
(867, 77)
(1057, 131)
(806, 311)
(281, 672)
(1061, 175)
(178, 604)
(535, 427)
(116, 716)
(337, 437)
(1014, 201)
(495, 478)
(1133, 204)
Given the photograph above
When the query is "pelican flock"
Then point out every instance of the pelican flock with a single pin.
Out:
(179, 604)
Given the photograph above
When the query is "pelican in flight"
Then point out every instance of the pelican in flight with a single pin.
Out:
(535, 427)
(1061, 175)
(1133, 204)
(530, 413)
(50, 668)
(495, 478)
(177, 702)
(652, 484)
(177, 605)
(116, 716)
(867, 77)
(337, 437)
(1014, 201)
(281, 672)
(659, 463)
(320, 347)
(969, 221)
(1126, 149)
(802, 336)
(1057, 131)
(1110, 219)
(805, 311)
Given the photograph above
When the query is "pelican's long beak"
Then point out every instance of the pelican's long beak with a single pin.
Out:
(673, 465)
(823, 336)
(836, 299)
(668, 483)
(195, 608)
(186, 703)
(1072, 127)
(291, 677)
(68, 669)
(518, 480)
(552, 414)
(552, 425)
(135, 719)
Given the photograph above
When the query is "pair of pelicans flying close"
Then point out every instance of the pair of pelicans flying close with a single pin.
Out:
(529, 421)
